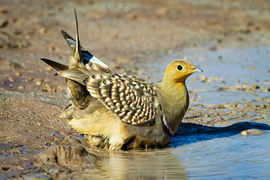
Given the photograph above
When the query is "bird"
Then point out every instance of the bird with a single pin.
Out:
(122, 112)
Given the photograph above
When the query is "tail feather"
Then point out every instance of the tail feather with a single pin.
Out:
(87, 56)
(71, 42)
(80, 54)
(77, 59)
(74, 74)
(55, 65)
(82, 63)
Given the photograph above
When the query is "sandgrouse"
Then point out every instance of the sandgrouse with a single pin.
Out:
(119, 111)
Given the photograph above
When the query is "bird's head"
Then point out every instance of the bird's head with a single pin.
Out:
(179, 70)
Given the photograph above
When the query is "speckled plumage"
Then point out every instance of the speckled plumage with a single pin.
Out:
(119, 111)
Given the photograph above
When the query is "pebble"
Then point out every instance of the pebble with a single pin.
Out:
(3, 23)
(18, 32)
(3, 10)
(20, 87)
(38, 83)
(42, 30)
(10, 79)
(17, 74)
(252, 132)
(48, 68)
(163, 11)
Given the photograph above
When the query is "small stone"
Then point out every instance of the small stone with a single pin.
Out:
(250, 24)
(132, 16)
(243, 100)
(202, 31)
(48, 68)
(255, 86)
(3, 23)
(163, 11)
(17, 74)
(42, 30)
(252, 132)
(219, 41)
(3, 10)
(10, 79)
(244, 133)
(240, 39)
(38, 83)
(18, 32)
(20, 87)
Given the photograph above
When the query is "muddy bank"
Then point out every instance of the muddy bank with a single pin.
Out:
(132, 38)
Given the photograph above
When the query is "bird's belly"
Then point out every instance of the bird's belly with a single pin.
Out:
(105, 129)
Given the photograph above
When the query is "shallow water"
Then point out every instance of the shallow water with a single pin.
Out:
(227, 157)
(223, 156)
(204, 152)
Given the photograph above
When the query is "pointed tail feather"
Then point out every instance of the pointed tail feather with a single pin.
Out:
(55, 65)
(64, 71)
(77, 53)
(86, 55)
(71, 42)
(75, 75)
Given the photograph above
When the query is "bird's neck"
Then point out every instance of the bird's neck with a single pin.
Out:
(175, 102)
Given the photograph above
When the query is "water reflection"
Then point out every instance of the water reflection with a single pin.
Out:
(157, 164)
(153, 164)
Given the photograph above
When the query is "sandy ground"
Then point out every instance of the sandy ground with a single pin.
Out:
(34, 141)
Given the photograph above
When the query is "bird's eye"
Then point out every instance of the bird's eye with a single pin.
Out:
(179, 67)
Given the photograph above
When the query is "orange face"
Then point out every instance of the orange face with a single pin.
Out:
(179, 70)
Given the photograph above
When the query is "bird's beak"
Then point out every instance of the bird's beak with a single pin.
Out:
(197, 69)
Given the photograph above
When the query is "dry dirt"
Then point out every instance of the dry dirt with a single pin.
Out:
(34, 141)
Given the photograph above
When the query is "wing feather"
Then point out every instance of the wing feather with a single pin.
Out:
(129, 99)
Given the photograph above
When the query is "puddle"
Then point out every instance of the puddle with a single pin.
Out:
(224, 156)
(231, 157)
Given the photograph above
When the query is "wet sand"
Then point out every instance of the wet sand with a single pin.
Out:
(135, 38)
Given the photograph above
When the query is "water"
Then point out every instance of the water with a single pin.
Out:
(224, 156)
(233, 157)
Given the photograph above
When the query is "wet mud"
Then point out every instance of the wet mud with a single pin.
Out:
(229, 115)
